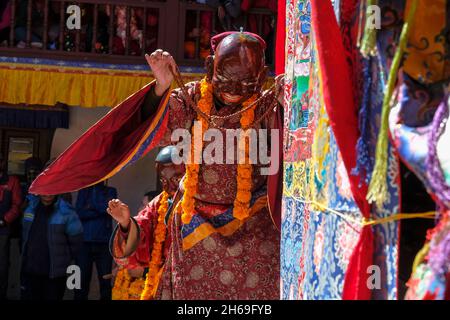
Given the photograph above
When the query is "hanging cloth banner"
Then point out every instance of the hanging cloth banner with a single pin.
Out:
(342, 111)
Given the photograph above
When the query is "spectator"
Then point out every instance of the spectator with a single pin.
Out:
(147, 198)
(102, 36)
(37, 27)
(10, 201)
(52, 236)
(33, 167)
(228, 12)
(151, 36)
(119, 41)
(97, 224)
(267, 31)
(203, 33)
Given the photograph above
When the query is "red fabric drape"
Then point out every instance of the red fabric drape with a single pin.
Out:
(275, 182)
(281, 38)
(342, 111)
(106, 147)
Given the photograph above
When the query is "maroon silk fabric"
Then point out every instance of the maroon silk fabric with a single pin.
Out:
(245, 265)
(102, 148)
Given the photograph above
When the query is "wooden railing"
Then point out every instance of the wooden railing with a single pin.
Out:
(201, 13)
(119, 31)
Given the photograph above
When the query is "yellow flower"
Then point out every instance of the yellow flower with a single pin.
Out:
(157, 250)
(244, 171)
(244, 196)
(120, 290)
(246, 184)
(191, 180)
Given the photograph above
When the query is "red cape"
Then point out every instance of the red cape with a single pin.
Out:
(116, 141)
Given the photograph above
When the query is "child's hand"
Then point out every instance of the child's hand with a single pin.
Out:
(120, 212)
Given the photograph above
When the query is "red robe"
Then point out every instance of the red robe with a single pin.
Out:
(147, 220)
(215, 256)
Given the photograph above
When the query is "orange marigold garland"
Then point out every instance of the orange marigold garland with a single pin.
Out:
(121, 285)
(157, 250)
(127, 288)
(136, 288)
(241, 208)
(192, 168)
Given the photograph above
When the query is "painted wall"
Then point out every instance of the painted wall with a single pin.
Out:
(132, 182)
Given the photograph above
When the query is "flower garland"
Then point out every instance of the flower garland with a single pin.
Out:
(241, 208)
(192, 168)
(125, 288)
(136, 288)
(121, 285)
(157, 250)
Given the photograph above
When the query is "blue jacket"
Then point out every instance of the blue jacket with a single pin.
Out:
(65, 234)
(91, 206)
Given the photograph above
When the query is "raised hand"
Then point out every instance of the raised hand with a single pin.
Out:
(120, 212)
(160, 62)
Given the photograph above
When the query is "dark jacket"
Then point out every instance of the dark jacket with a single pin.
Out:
(91, 208)
(65, 234)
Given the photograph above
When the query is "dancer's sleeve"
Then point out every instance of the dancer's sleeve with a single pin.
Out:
(146, 220)
(119, 139)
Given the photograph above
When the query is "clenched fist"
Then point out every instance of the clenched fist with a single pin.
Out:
(160, 62)
(120, 212)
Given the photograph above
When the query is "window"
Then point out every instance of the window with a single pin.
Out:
(19, 149)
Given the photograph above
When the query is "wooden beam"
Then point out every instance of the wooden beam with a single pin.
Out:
(29, 13)
(45, 35)
(94, 28)
(111, 28)
(62, 25)
(12, 24)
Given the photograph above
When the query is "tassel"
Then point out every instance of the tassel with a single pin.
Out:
(420, 257)
(369, 41)
(378, 189)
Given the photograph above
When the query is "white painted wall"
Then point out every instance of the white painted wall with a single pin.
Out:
(132, 182)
